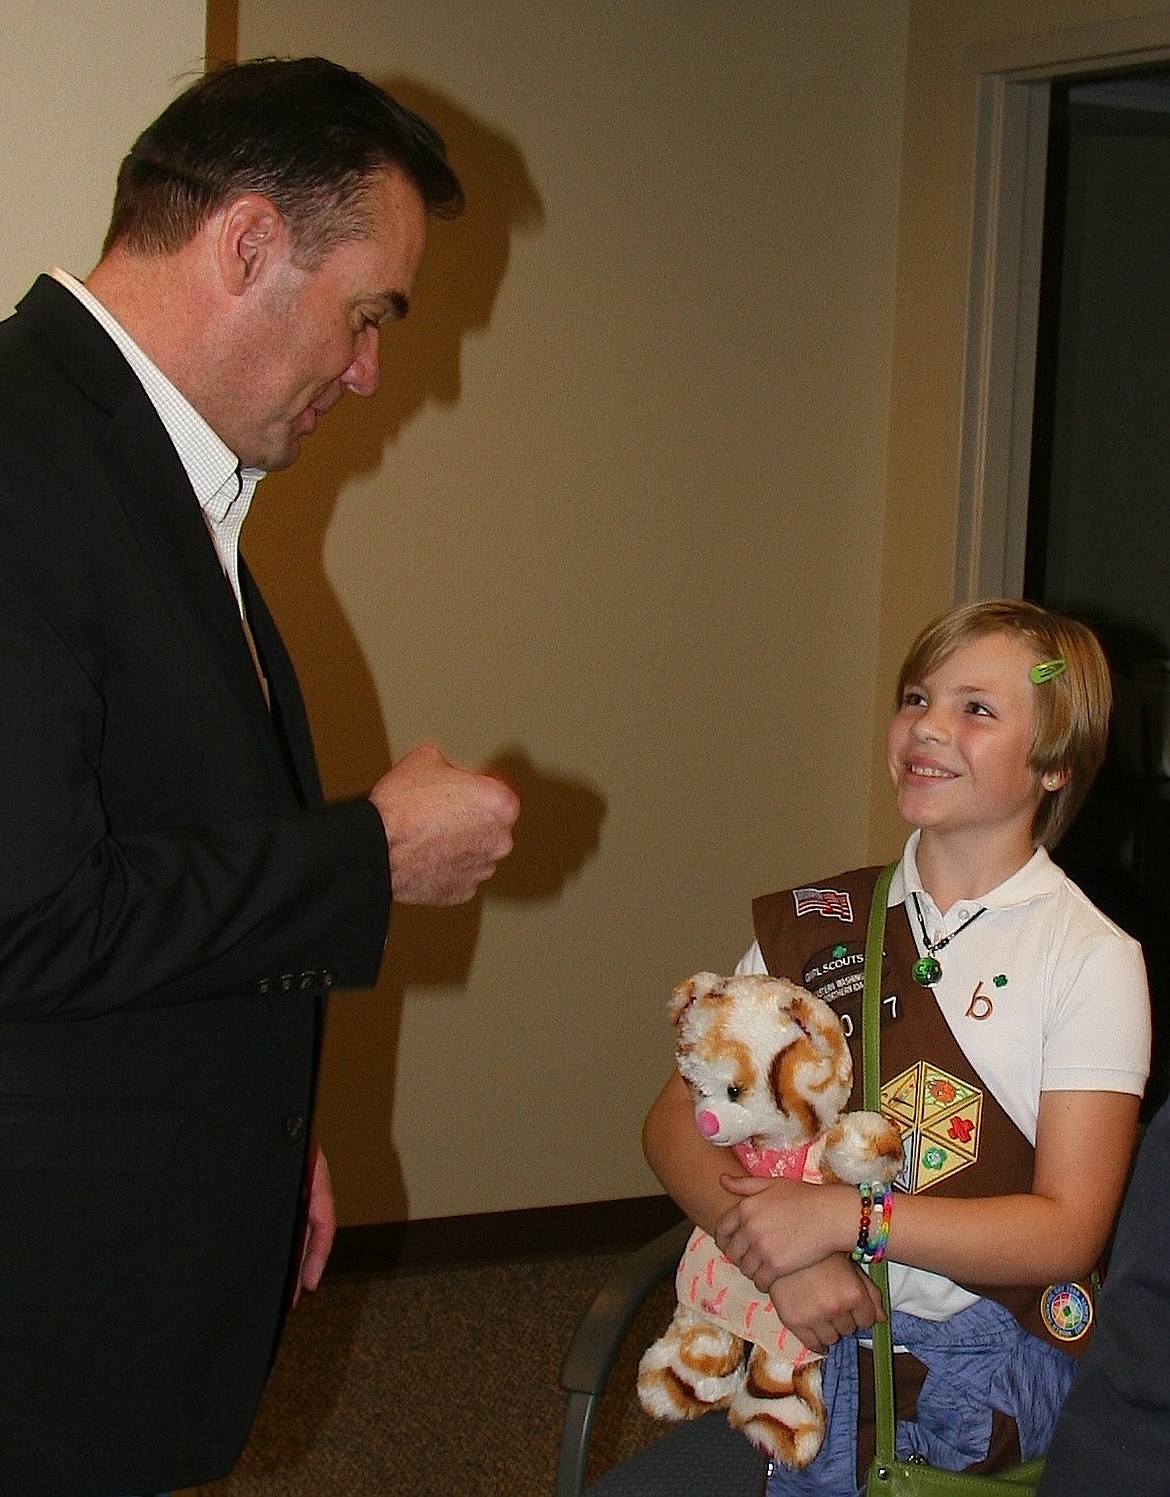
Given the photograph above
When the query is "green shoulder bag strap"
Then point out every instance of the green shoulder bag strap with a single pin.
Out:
(871, 1100)
(892, 1475)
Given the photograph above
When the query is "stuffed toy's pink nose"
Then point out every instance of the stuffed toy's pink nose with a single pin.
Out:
(708, 1124)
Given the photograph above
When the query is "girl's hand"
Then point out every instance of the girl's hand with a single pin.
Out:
(779, 1227)
(830, 1300)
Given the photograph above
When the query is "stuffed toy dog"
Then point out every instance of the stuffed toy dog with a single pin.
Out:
(769, 1070)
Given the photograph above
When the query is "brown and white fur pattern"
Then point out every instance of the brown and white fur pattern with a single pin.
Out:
(769, 1070)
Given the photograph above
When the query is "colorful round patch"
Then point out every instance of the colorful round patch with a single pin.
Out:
(1066, 1310)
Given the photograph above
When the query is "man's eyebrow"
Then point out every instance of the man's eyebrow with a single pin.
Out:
(396, 306)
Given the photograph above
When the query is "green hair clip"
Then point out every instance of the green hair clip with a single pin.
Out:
(1048, 670)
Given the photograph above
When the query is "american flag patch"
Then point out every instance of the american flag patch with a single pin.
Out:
(834, 903)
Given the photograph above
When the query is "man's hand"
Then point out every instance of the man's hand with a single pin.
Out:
(446, 828)
(320, 1228)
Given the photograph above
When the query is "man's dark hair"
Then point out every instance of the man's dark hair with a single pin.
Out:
(306, 133)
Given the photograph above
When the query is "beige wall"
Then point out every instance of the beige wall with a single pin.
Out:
(620, 517)
(615, 519)
(80, 81)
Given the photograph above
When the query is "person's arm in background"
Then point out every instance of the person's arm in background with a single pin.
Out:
(1116, 1419)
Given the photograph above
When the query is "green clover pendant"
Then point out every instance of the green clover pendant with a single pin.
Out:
(926, 971)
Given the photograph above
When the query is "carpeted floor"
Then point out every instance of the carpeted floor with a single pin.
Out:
(436, 1384)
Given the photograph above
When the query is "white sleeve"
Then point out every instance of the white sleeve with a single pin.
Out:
(1097, 1029)
(751, 963)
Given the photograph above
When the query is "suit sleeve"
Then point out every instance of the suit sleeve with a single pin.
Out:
(100, 913)
(1115, 1425)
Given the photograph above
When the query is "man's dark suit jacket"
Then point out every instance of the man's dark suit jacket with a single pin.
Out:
(175, 901)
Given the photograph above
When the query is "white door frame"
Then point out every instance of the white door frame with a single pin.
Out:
(1013, 80)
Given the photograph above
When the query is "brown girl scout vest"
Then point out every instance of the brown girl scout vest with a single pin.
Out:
(958, 1141)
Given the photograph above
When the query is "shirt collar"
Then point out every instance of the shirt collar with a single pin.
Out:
(211, 466)
(1039, 876)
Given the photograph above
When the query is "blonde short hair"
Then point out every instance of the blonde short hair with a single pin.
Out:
(1072, 708)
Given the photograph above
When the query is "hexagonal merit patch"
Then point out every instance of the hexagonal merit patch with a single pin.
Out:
(938, 1117)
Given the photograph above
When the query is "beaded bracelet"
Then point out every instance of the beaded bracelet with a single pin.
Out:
(873, 1233)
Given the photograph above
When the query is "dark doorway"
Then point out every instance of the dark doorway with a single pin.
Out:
(1098, 542)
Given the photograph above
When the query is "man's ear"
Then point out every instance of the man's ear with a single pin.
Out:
(251, 235)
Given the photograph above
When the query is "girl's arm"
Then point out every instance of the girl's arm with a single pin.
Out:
(1084, 1141)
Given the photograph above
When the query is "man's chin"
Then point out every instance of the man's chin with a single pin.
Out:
(276, 456)
(305, 426)
(284, 458)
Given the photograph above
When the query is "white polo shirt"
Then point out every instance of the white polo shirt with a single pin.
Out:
(1042, 993)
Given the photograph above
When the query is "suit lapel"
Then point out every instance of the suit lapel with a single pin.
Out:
(152, 504)
(287, 704)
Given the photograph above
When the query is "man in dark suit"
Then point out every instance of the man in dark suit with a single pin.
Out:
(176, 898)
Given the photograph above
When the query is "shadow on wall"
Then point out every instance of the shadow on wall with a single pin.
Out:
(560, 824)
(558, 831)
(285, 536)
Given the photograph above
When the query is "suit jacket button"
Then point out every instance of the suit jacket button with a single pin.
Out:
(294, 1127)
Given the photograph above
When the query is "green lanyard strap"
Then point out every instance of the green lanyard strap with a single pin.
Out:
(871, 1087)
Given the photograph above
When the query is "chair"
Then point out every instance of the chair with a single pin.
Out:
(703, 1458)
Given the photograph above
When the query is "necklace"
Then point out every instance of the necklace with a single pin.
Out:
(927, 970)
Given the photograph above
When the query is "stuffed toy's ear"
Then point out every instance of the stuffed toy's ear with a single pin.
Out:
(695, 987)
(813, 1075)
(823, 1028)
